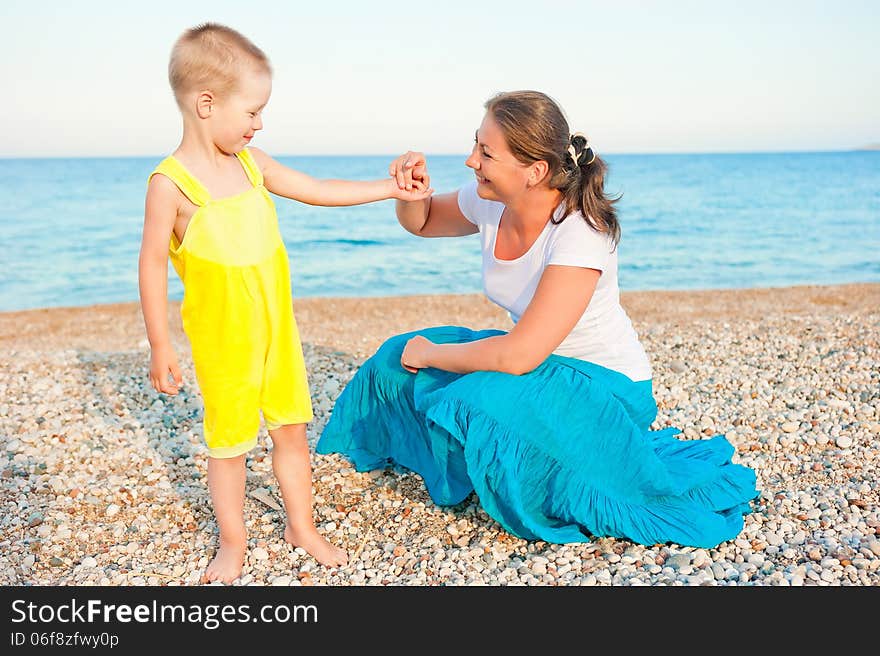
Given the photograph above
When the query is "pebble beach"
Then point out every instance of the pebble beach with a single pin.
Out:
(103, 480)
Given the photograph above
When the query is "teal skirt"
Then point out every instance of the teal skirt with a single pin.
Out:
(560, 454)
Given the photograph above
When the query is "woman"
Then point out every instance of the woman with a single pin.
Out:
(548, 423)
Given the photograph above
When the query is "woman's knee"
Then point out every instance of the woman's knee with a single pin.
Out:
(437, 334)
(395, 344)
(387, 356)
(382, 372)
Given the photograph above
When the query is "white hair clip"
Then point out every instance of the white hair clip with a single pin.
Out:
(575, 158)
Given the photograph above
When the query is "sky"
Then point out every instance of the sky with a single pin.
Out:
(89, 78)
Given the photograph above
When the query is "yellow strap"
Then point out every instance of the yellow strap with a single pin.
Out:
(251, 168)
(187, 183)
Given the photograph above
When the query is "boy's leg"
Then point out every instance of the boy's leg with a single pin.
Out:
(226, 481)
(291, 462)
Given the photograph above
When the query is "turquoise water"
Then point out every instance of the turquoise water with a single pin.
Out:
(70, 228)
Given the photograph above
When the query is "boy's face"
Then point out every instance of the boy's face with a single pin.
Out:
(236, 118)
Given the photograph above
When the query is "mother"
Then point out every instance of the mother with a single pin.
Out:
(550, 422)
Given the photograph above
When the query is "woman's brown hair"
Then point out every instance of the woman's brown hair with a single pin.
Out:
(536, 129)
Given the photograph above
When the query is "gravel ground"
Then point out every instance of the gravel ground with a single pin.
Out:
(102, 480)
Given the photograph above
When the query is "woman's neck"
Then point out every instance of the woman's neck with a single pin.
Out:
(532, 208)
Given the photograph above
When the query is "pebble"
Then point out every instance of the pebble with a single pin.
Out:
(263, 495)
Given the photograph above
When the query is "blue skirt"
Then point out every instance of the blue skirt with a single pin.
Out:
(559, 454)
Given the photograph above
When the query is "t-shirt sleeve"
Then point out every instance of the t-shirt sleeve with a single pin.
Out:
(469, 202)
(577, 244)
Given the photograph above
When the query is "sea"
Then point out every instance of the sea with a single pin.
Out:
(70, 228)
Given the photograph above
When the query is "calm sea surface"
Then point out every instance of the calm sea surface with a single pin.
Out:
(70, 228)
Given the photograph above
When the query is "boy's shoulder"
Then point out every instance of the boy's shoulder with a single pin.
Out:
(163, 183)
(259, 156)
(163, 166)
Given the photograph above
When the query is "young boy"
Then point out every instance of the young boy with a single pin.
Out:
(208, 208)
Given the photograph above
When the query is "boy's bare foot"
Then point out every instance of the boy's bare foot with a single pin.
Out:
(228, 562)
(313, 542)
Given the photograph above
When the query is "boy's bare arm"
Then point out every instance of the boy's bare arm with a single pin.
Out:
(160, 213)
(285, 181)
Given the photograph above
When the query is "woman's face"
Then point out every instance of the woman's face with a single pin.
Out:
(500, 176)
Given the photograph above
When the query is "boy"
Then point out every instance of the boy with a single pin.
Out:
(208, 207)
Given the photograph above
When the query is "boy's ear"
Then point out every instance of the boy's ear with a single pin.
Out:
(204, 103)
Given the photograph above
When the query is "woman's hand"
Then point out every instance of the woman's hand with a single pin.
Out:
(415, 354)
(410, 170)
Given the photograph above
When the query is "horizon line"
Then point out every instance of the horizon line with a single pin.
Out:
(860, 149)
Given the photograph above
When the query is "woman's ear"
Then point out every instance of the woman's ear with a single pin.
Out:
(538, 172)
(204, 103)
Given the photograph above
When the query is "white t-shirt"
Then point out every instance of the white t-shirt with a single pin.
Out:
(604, 334)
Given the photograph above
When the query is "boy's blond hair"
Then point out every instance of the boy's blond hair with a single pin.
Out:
(212, 56)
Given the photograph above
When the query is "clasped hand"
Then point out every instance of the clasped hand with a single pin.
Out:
(410, 172)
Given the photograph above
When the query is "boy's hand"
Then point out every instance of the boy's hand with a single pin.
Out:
(163, 362)
(410, 171)
(418, 191)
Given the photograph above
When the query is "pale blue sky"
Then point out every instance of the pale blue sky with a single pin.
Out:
(89, 77)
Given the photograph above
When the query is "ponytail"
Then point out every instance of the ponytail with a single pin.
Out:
(581, 179)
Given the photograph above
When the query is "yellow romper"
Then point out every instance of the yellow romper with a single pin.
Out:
(237, 312)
